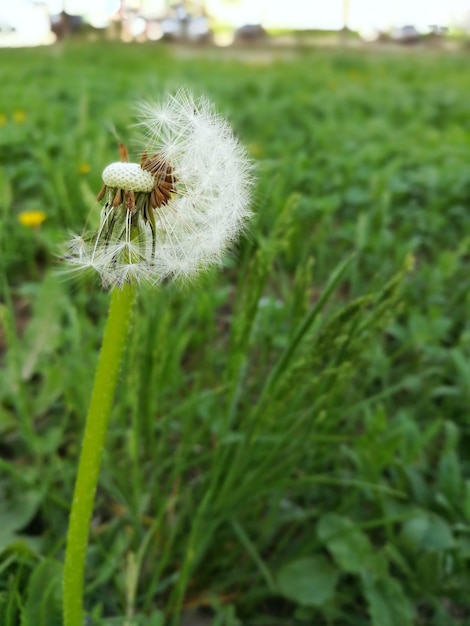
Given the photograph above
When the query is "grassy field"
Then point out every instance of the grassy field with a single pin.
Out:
(289, 442)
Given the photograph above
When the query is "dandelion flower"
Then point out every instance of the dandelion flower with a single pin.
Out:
(19, 117)
(84, 168)
(31, 219)
(180, 208)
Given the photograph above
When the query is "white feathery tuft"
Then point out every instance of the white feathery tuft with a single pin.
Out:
(143, 240)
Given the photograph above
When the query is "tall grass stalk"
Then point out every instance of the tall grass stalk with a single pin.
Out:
(92, 451)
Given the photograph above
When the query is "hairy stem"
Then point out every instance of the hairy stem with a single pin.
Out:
(106, 376)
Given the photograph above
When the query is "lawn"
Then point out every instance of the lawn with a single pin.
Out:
(289, 440)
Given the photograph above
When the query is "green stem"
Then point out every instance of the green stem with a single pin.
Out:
(106, 376)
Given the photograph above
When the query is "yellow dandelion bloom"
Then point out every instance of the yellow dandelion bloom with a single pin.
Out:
(355, 76)
(3, 119)
(255, 149)
(19, 117)
(84, 168)
(31, 219)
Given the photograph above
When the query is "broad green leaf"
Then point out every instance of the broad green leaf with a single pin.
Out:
(387, 602)
(427, 531)
(18, 511)
(309, 581)
(349, 546)
(43, 606)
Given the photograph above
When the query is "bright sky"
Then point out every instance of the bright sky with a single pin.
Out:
(322, 14)
(381, 14)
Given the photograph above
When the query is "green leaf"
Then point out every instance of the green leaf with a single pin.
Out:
(349, 546)
(387, 602)
(19, 510)
(6, 194)
(449, 476)
(309, 581)
(427, 531)
(44, 332)
(43, 605)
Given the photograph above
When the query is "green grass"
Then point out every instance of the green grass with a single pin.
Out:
(275, 457)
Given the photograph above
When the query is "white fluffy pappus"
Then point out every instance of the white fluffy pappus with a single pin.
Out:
(183, 221)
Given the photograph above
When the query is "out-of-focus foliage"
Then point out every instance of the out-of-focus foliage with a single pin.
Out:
(288, 440)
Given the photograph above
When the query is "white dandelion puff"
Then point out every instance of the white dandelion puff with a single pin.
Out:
(180, 208)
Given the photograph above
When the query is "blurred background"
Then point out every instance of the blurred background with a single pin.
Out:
(338, 464)
(223, 22)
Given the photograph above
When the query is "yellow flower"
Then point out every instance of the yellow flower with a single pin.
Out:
(3, 119)
(19, 117)
(355, 76)
(255, 149)
(32, 219)
(84, 168)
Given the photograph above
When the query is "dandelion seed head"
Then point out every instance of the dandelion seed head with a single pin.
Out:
(177, 211)
(128, 176)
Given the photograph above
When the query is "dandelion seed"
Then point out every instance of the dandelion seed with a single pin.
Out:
(31, 219)
(180, 208)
